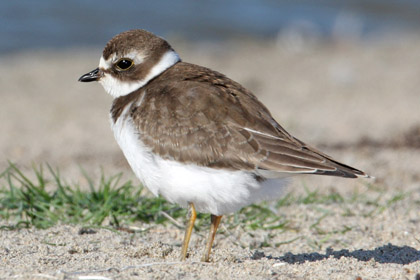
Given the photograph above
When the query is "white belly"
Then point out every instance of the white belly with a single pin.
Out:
(214, 191)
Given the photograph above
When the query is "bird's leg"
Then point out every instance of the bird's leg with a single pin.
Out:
(215, 221)
(187, 236)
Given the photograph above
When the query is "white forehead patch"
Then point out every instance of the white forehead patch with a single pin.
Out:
(116, 88)
(106, 64)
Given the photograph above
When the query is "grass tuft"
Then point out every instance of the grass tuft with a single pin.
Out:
(25, 202)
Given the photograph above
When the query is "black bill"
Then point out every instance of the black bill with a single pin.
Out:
(93, 75)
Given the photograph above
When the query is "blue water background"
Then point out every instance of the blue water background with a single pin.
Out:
(54, 24)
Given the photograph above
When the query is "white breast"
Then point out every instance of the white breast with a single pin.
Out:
(214, 191)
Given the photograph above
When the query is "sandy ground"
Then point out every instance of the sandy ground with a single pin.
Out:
(356, 101)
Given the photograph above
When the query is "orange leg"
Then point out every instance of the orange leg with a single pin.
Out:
(188, 231)
(215, 221)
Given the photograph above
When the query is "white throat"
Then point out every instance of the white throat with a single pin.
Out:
(117, 88)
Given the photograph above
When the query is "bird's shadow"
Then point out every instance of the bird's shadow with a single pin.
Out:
(384, 254)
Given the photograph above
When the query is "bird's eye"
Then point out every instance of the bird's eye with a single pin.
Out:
(124, 64)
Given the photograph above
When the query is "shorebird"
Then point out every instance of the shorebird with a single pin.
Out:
(196, 137)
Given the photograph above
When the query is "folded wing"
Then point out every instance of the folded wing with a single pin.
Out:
(210, 120)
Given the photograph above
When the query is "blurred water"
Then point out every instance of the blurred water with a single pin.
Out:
(28, 24)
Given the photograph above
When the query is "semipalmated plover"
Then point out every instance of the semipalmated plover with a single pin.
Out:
(196, 137)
